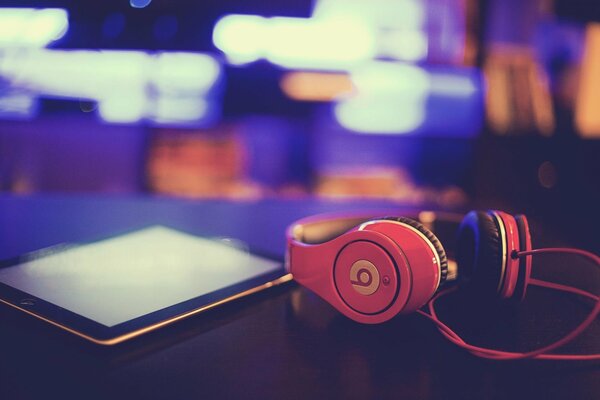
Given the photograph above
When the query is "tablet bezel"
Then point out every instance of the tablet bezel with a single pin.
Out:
(111, 335)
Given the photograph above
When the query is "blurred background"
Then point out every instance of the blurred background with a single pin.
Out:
(449, 104)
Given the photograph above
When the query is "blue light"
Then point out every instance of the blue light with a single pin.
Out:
(113, 25)
(29, 27)
(139, 3)
(165, 27)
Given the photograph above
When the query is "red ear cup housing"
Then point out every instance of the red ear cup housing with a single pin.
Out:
(432, 239)
(366, 277)
(362, 273)
(423, 253)
(524, 262)
(372, 272)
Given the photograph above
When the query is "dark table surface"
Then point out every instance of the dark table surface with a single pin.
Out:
(283, 343)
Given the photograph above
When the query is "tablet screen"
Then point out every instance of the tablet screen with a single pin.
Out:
(118, 279)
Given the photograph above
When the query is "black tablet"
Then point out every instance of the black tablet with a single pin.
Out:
(118, 288)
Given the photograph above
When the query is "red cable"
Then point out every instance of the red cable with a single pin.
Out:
(539, 353)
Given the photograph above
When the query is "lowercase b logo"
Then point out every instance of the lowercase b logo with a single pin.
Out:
(364, 277)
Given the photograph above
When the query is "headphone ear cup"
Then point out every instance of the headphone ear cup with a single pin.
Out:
(432, 238)
(479, 254)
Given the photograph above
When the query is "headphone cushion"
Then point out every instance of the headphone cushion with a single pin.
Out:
(479, 252)
(437, 245)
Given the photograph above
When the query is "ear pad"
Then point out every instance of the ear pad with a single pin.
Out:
(479, 253)
(437, 245)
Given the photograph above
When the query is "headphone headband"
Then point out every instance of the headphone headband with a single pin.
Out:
(322, 228)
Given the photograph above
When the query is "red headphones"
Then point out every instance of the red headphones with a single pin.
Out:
(373, 269)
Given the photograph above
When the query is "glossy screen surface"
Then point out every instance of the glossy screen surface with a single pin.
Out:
(121, 278)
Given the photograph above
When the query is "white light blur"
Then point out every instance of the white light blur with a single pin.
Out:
(333, 43)
(29, 27)
(322, 44)
(405, 45)
(391, 78)
(412, 80)
(340, 34)
(84, 74)
(123, 108)
(17, 105)
(124, 83)
(382, 14)
(185, 72)
(240, 37)
(99, 74)
(175, 109)
(380, 114)
(391, 97)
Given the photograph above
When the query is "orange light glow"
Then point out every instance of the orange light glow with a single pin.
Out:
(471, 10)
(315, 86)
(587, 115)
(384, 183)
(199, 165)
(518, 95)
